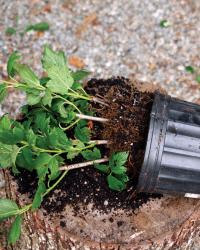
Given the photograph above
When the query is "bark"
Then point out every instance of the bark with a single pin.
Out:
(166, 223)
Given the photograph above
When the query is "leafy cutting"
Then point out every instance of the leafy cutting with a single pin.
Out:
(41, 26)
(52, 133)
(193, 71)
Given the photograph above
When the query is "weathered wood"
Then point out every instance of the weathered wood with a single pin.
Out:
(167, 223)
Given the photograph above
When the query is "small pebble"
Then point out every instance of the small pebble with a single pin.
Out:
(105, 203)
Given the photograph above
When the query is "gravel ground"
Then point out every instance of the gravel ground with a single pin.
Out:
(110, 38)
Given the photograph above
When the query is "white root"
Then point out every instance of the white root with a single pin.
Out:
(98, 100)
(92, 118)
(83, 164)
(99, 142)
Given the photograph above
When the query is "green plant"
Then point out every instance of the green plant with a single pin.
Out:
(164, 23)
(41, 26)
(116, 171)
(10, 31)
(40, 142)
(193, 71)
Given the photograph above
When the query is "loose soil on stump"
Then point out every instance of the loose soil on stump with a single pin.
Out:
(128, 113)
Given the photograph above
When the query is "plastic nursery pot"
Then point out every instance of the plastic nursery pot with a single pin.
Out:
(172, 156)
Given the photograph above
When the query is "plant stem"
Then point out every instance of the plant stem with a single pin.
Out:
(70, 126)
(42, 150)
(77, 95)
(92, 118)
(68, 102)
(25, 209)
(17, 84)
(59, 151)
(89, 146)
(83, 164)
(56, 183)
(82, 89)
(87, 97)
(4, 81)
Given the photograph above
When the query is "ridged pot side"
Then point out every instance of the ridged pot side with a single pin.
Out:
(172, 157)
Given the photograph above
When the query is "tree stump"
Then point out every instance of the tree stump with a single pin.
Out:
(165, 223)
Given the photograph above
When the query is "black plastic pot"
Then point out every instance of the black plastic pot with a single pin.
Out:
(172, 157)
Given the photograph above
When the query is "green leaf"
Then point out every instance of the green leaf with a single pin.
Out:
(190, 69)
(76, 85)
(8, 155)
(198, 78)
(56, 66)
(27, 75)
(47, 98)
(15, 230)
(34, 97)
(12, 136)
(7, 208)
(118, 159)
(41, 165)
(66, 111)
(42, 122)
(10, 31)
(119, 170)
(30, 137)
(42, 26)
(38, 196)
(123, 177)
(44, 80)
(3, 91)
(60, 107)
(54, 168)
(82, 133)
(7, 137)
(91, 155)
(67, 114)
(83, 105)
(115, 184)
(103, 168)
(58, 140)
(80, 75)
(164, 24)
(24, 109)
(77, 145)
(42, 142)
(19, 134)
(11, 62)
(5, 122)
(69, 117)
(25, 159)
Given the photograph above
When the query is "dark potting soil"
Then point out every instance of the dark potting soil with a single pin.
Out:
(128, 113)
